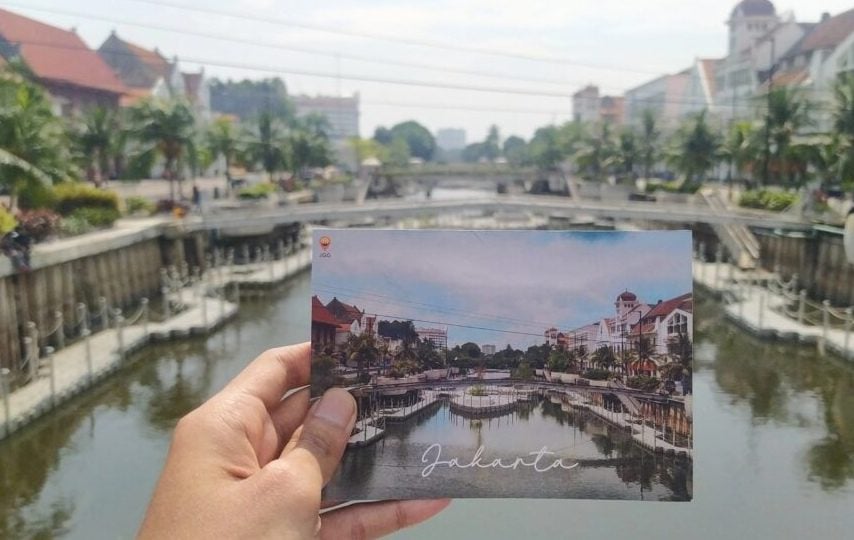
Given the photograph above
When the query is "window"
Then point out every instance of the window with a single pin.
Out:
(678, 324)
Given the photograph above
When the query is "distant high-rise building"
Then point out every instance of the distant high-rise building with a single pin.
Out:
(488, 349)
(341, 112)
(451, 138)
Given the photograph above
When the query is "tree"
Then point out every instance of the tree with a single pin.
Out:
(787, 114)
(649, 144)
(223, 140)
(398, 152)
(681, 367)
(596, 153)
(740, 149)
(418, 139)
(843, 123)
(427, 354)
(363, 350)
(627, 153)
(267, 144)
(33, 146)
(491, 146)
(166, 129)
(309, 148)
(398, 330)
(546, 149)
(515, 150)
(247, 99)
(368, 148)
(383, 135)
(696, 149)
(604, 357)
(93, 136)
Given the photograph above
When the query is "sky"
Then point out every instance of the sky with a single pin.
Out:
(511, 285)
(616, 44)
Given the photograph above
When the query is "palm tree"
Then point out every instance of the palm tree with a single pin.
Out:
(94, 136)
(843, 121)
(363, 350)
(649, 142)
(628, 153)
(223, 140)
(740, 150)
(696, 149)
(167, 129)
(33, 145)
(267, 144)
(596, 153)
(787, 114)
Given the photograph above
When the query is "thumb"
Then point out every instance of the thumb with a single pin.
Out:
(318, 445)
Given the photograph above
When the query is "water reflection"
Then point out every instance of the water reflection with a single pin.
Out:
(611, 464)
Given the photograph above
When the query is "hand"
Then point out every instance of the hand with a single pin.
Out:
(249, 464)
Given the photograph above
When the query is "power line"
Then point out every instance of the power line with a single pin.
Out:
(393, 39)
(294, 48)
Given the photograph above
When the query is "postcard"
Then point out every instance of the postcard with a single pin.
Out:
(543, 364)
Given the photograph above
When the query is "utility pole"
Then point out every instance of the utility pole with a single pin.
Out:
(767, 161)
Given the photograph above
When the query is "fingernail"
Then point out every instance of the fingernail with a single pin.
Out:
(336, 407)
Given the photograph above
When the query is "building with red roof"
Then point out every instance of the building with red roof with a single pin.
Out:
(323, 326)
(665, 321)
(73, 74)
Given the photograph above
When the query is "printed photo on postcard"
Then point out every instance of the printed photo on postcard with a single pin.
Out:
(537, 364)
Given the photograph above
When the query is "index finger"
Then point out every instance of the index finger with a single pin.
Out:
(273, 373)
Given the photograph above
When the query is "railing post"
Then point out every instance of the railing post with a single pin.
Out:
(244, 252)
(236, 292)
(802, 305)
(120, 333)
(87, 346)
(4, 388)
(825, 320)
(32, 349)
(60, 329)
(719, 255)
(83, 316)
(203, 304)
(222, 292)
(164, 278)
(51, 365)
(167, 307)
(105, 314)
(271, 262)
(280, 248)
(144, 303)
(197, 281)
(849, 315)
(761, 308)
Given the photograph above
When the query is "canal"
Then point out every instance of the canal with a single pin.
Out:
(774, 445)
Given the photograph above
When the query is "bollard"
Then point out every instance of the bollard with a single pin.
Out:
(849, 320)
(120, 333)
(144, 316)
(802, 305)
(87, 347)
(51, 365)
(60, 330)
(4, 388)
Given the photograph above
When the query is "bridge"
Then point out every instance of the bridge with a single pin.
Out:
(538, 383)
(255, 218)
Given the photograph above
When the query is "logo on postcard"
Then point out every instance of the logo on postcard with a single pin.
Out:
(325, 243)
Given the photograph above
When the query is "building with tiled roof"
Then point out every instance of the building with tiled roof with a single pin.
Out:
(344, 313)
(145, 71)
(323, 326)
(74, 75)
(665, 321)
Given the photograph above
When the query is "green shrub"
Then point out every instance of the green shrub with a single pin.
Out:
(7, 221)
(596, 374)
(74, 226)
(96, 217)
(257, 191)
(71, 196)
(643, 382)
(36, 195)
(139, 205)
(763, 199)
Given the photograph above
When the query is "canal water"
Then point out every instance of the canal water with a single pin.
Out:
(774, 445)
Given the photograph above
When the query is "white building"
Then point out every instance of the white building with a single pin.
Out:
(488, 349)
(451, 138)
(585, 104)
(342, 113)
(662, 96)
(663, 324)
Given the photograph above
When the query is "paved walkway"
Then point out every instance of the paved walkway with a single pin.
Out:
(757, 302)
(86, 361)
